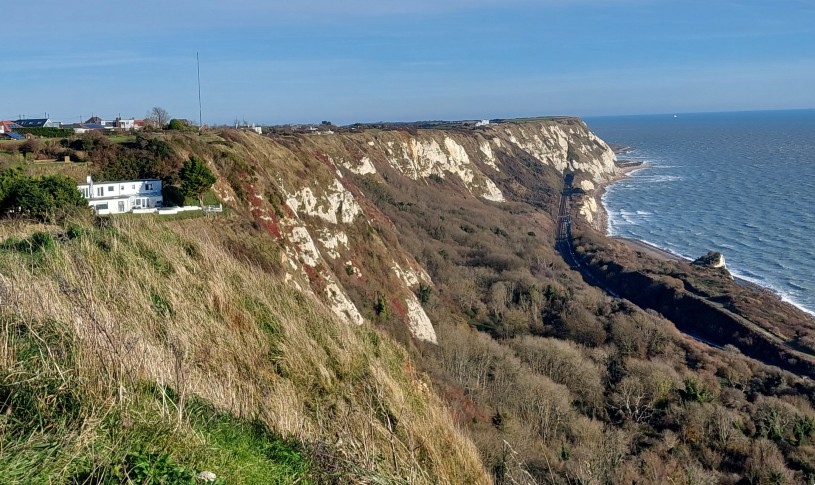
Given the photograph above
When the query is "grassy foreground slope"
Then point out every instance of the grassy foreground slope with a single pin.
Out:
(135, 348)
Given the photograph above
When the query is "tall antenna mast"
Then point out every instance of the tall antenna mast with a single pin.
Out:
(200, 117)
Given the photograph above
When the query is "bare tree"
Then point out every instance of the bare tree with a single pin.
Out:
(158, 117)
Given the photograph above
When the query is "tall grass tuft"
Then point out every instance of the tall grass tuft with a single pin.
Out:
(139, 348)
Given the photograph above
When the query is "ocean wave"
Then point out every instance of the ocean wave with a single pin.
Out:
(797, 286)
(629, 218)
(780, 265)
(712, 184)
(666, 249)
(658, 179)
(751, 277)
(794, 302)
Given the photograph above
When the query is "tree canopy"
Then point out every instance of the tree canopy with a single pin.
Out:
(179, 125)
(158, 117)
(196, 178)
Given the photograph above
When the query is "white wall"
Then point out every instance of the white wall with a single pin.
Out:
(119, 197)
(143, 188)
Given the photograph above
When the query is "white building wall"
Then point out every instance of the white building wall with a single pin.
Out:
(118, 197)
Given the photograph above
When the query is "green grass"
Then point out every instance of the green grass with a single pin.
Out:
(209, 199)
(119, 139)
(52, 428)
(111, 316)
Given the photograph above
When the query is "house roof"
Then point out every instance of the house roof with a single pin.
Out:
(32, 123)
(94, 120)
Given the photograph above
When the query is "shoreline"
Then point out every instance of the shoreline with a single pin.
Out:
(656, 252)
(623, 173)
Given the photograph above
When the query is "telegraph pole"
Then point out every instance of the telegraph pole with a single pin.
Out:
(200, 116)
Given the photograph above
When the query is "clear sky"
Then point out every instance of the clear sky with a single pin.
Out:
(270, 61)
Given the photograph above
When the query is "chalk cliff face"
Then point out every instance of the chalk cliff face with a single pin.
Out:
(311, 193)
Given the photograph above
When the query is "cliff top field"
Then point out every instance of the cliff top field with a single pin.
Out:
(386, 304)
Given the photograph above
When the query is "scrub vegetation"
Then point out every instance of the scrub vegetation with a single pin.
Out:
(135, 349)
(560, 383)
(139, 347)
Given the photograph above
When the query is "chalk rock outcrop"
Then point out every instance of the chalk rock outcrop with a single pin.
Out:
(713, 259)
(309, 193)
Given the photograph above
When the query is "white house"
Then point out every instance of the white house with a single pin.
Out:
(126, 124)
(122, 196)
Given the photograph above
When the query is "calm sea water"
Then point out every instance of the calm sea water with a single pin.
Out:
(739, 183)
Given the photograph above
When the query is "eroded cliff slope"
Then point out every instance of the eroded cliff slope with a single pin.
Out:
(313, 194)
(284, 310)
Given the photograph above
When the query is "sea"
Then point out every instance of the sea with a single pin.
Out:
(739, 183)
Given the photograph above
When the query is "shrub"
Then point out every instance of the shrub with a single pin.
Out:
(179, 125)
(45, 198)
(173, 196)
(424, 291)
(695, 391)
(46, 132)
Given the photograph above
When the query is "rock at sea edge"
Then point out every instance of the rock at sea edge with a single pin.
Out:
(713, 259)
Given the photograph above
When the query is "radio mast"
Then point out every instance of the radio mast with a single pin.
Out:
(200, 117)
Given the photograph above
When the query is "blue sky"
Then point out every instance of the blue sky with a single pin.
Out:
(364, 60)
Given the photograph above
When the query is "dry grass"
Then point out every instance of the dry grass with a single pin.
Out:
(166, 303)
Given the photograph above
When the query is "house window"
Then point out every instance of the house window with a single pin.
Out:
(100, 191)
(134, 186)
(111, 188)
(148, 186)
(122, 187)
(101, 207)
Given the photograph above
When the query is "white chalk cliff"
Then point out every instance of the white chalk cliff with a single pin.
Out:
(324, 210)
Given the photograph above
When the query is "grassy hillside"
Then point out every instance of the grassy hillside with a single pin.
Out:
(187, 343)
(136, 348)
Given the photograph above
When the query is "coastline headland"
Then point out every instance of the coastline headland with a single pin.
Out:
(705, 302)
(626, 168)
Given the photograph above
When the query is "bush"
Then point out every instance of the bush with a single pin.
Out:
(179, 125)
(46, 132)
(145, 158)
(173, 196)
(45, 199)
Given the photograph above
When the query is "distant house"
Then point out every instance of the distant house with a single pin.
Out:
(80, 128)
(7, 130)
(38, 123)
(131, 124)
(94, 121)
(122, 196)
